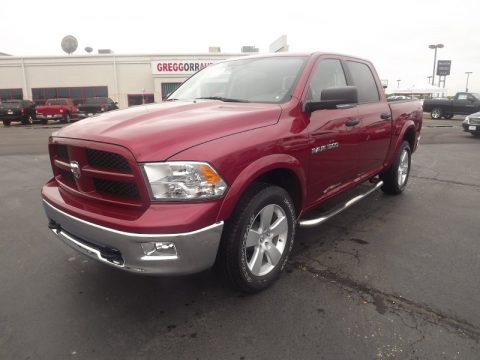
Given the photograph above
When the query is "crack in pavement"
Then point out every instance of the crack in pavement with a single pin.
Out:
(384, 301)
(446, 181)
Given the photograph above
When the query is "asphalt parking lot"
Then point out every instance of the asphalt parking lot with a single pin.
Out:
(391, 278)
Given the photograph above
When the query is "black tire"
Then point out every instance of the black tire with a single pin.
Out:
(66, 118)
(44, 121)
(28, 120)
(448, 116)
(6, 122)
(436, 113)
(390, 177)
(234, 254)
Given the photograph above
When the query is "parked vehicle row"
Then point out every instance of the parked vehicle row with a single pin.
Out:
(62, 109)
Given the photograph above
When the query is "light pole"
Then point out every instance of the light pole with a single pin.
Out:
(468, 75)
(429, 79)
(398, 84)
(437, 46)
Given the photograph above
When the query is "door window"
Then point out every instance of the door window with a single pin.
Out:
(364, 81)
(327, 74)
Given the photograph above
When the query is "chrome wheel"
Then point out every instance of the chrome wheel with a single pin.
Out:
(436, 113)
(266, 239)
(403, 168)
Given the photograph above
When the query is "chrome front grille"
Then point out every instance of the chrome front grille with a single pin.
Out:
(97, 174)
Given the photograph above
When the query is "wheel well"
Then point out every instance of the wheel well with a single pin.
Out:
(410, 137)
(286, 179)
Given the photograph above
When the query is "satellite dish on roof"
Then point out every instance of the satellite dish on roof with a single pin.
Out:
(88, 49)
(69, 44)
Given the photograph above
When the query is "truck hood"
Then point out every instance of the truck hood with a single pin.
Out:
(157, 132)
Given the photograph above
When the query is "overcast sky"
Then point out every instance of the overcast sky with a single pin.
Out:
(394, 35)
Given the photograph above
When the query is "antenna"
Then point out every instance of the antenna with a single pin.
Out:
(69, 44)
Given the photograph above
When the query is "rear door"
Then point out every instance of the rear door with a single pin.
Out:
(375, 126)
(333, 141)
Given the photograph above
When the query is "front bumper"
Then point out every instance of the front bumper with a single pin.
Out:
(471, 128)
(196, 250)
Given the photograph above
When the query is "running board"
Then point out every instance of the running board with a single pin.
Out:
(339, 209)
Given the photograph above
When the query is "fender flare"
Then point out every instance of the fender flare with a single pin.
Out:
(254, 171)
(398, 139)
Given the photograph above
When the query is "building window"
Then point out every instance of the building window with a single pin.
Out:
(168, 88)
(11, 94)
(78, 94)
(139, 99)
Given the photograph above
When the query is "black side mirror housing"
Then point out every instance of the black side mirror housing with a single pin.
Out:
(332, 97)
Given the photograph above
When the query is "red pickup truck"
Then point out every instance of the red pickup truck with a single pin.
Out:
(224, 170)
(57, 109)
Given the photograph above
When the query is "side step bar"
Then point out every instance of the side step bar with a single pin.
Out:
(340, 208)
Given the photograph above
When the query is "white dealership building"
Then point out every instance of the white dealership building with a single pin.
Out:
(127, 79)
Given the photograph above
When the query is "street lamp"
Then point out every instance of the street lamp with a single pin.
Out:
(437, 46)
(429, 79)
(468, 75)
(398, 84)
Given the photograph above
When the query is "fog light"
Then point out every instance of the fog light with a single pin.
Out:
(159, 251)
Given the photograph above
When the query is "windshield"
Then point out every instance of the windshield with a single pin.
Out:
(269, 80)
(56, 102)
(96, 101)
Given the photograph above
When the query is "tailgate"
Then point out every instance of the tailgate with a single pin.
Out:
(49, 110)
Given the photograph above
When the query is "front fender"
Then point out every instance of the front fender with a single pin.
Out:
(253, 172)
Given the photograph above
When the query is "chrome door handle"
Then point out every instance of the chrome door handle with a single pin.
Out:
(352, 122)
(386, 116)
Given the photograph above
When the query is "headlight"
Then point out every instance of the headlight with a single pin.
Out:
(467, 120)
(179, 180)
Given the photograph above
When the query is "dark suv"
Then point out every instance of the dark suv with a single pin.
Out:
(17, 110)
(96, 105)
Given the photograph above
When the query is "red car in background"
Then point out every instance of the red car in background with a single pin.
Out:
(57, 109)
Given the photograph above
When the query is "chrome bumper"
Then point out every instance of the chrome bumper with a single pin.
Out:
(195, 251)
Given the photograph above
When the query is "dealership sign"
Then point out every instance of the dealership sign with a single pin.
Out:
(443, 67)
(178, 67)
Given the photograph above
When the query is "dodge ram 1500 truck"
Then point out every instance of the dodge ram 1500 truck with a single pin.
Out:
(462, 104)
(224, 170)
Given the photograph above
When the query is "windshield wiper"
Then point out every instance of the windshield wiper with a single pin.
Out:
(222, 99)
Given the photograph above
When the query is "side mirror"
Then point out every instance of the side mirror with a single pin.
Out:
(332, 97)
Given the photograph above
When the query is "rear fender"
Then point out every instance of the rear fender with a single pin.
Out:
(253, 172)
(397, 140)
